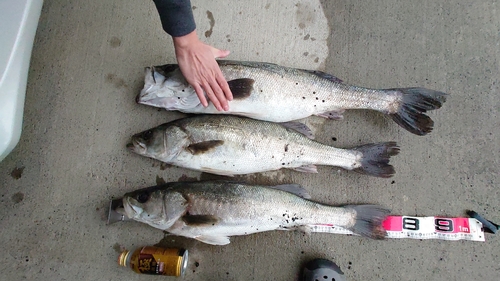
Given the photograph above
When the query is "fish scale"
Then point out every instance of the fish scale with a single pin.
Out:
(232, 145)
(310, 93)
(276, 93)
(242, 145)
(214, 210)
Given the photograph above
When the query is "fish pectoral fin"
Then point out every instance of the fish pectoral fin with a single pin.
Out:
(334, 114)
(299, 127)
(324, 75)
(296, 189)
(241, 88)
(204, 146)
(213, 240)
(199, 220)
(306, 169)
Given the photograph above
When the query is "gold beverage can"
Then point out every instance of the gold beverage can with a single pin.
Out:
(155, 260)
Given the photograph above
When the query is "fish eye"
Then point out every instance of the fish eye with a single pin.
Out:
(147, 135)
(142, 197)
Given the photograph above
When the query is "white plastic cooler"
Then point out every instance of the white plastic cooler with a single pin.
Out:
(18, 23)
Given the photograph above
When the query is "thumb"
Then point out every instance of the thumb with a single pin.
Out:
(220, 53)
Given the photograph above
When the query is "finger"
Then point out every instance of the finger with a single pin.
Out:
(225, 87)
(219, 94)
(200, 94)
(211, 96)
(220, 53)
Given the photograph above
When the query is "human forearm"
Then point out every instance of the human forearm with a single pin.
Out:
(176, 16)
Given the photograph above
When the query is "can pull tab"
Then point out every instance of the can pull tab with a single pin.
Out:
(488, 226)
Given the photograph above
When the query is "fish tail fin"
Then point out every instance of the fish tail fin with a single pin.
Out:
(414, 104)
(375, 159)
(369, 219)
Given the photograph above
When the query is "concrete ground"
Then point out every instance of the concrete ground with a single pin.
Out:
(87, 67)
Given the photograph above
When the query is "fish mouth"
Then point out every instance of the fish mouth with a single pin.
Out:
(136, 146)
(144, 95)
(116, 211)
(129, 209)
(138, 98)
(131, 146)
(151, 101)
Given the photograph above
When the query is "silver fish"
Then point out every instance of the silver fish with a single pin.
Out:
(275, 93)
(212, 211)
(233, 145)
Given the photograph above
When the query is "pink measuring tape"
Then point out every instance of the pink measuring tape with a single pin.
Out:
(442, 228)
(434, 228)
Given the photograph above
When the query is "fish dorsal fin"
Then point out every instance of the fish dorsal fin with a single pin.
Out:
(199, 220)
(254, 64)
(241, 88)
(272, 67)
(299, 127)
(296, 189)
(324, 75)
(213, 240)
(204, 146)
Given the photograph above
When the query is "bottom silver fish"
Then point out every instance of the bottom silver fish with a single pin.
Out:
(212, 211)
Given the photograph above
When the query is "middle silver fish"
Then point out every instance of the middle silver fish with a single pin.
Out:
(232, 145)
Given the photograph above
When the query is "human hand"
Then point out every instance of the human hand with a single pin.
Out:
(198, 65)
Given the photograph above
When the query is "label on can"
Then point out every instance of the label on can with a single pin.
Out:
(158, 261)
(421, 228)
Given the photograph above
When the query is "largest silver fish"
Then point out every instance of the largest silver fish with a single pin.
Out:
(275, 93)
(212, 211)
(233, 145)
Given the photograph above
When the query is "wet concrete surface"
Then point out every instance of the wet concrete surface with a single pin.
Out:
(87, 66)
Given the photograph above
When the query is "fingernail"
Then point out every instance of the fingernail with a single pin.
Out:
(226, 107)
